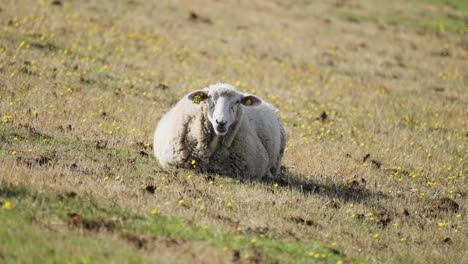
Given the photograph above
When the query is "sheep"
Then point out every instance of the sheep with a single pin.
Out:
(220, 130)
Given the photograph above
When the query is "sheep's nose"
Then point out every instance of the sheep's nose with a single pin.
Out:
(222, 123)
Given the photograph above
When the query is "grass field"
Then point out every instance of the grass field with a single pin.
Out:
(373, 94)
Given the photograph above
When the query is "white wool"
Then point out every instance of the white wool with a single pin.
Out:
(252, 147)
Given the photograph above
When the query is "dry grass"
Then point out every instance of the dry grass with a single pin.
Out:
(373, 95)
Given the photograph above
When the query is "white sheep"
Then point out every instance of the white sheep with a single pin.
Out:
(220, 130)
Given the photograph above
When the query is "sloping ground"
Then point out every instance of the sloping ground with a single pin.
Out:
(373, 95)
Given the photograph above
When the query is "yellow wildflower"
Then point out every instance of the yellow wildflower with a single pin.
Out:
(7, 205)
(442, 224)
(6, 119)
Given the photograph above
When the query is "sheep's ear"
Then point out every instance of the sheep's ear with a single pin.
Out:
(198, 96)
(250, 100)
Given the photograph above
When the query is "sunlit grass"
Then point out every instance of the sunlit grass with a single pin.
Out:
(372, 94)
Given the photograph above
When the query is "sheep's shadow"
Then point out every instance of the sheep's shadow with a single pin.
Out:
(354, 191)
(10, 191)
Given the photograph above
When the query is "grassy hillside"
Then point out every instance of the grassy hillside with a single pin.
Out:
(373, 95)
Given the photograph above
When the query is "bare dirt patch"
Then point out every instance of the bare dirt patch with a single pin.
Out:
(74, 220)
(441, 205)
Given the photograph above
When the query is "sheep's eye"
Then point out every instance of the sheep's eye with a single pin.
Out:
(238, 102)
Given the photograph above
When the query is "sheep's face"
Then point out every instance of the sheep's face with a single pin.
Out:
(224, 106)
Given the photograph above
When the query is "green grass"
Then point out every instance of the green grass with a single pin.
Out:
(32, 232)
(41, 219)
(412, 16)
(23, 242)
(455, 4)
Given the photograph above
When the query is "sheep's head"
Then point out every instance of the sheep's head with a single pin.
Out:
(224, 105)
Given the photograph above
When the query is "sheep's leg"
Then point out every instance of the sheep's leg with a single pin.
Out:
(268, 176)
